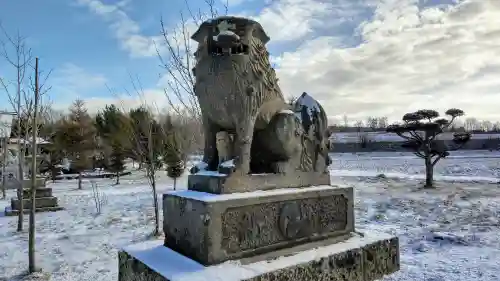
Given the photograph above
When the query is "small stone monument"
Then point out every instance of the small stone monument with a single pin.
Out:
(45, 201)
(269, 212)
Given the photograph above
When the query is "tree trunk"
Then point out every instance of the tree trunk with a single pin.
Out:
(429, 172)
(118, 178)
(175, 183)
(31, 235)
(152, 177)
(157, 210)
(20, 217)
(20, 157)
(4, 177)
(79, 180)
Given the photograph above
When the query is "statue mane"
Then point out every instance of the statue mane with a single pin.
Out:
(261, 67)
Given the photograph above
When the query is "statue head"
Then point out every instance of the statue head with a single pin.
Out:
(228, 36)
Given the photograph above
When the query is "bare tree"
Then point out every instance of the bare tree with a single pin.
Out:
(358, 125)
(147, 137)
(5, 133)
(143, 133)
(362, 137)
(18, 55)
(143, 130)
(98, 196)
(382, 122)
(4, 164)
(31, 236)
(471, 124)
(372, 123)
(346, 121)
(176, 57)
(486, 126)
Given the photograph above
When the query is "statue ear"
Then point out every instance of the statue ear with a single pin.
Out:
(258, 32)
(202, 32)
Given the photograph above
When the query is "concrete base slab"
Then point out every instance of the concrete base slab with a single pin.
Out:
(356, 259)
(11, 212)
(218, 183)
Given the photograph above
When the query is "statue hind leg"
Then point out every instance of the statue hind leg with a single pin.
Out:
(281, 139)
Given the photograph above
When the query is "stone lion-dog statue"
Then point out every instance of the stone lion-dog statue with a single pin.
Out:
(238, 93)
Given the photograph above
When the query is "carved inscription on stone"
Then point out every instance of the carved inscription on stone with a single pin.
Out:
(292, 223)
(256, 226)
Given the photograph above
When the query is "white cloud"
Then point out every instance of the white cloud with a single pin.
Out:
(70, 82)
(410, 57)
(153, 98)
(126, 30)
(124, 100)
(372, 57)
(76, 78)
(289, 20)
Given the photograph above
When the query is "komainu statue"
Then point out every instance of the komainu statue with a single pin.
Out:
(238, 93)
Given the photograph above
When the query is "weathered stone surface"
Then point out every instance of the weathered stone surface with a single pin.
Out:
(380, 258)
(11, 212)
(40, 192)
(221, 227)
(39, 203)
(356, 263)
(238, 92)
(39, 182)
(218, 183)
(131, 269)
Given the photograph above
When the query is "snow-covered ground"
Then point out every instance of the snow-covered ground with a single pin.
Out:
(351, 137)
(446, 234)
(480, 166)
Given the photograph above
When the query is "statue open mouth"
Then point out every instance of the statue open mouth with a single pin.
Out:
(240, 49)
(227, 43)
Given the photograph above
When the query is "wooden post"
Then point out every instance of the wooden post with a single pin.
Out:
(31, 238)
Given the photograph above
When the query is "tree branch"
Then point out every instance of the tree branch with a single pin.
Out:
(436, 160)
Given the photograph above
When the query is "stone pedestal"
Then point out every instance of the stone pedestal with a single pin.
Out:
(355, 259)
(214, 228)
(279, 234)
(39, 183)
(44, 200)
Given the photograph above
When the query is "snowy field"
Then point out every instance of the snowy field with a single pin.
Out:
(354, 137)
(470, 166)
(448, 234)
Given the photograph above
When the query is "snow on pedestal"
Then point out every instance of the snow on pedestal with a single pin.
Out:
(358, 258)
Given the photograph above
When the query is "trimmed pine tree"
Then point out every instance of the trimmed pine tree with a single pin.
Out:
(173, 158)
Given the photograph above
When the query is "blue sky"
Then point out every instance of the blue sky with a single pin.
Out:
(80, 46)
(359, 57)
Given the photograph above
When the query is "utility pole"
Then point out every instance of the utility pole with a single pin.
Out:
(31, 238)
(4, 153)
